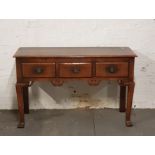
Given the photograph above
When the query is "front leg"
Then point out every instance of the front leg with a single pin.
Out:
(131, 86)
(20, 98)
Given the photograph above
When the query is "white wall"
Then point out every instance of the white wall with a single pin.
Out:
(138, 34)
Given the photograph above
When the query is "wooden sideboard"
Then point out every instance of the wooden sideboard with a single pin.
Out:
(60, 64)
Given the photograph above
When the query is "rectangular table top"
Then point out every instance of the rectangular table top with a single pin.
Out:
(74, 52)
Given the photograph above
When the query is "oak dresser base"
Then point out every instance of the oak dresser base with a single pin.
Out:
(58, 65)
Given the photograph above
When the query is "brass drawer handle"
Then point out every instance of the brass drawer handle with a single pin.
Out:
(38, 70)
(75, 69)
(112, 69)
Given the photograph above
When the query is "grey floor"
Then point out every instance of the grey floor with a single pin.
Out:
(79, 122)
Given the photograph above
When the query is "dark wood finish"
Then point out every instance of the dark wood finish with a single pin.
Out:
(74, 52)
(60, 64)
(112, 69)
(38, 69)
(131, 86)
(20, 98)
(75, 70)
(122, 106)
(26, 100)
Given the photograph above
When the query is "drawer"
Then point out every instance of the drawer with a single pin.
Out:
(38, 69)
(75, 69)
(112, 69)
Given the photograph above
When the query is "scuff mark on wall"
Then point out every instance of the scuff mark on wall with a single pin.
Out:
(144, 68)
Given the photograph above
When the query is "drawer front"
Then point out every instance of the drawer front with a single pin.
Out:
(75, 69)
(112, 69)
(43, 70)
